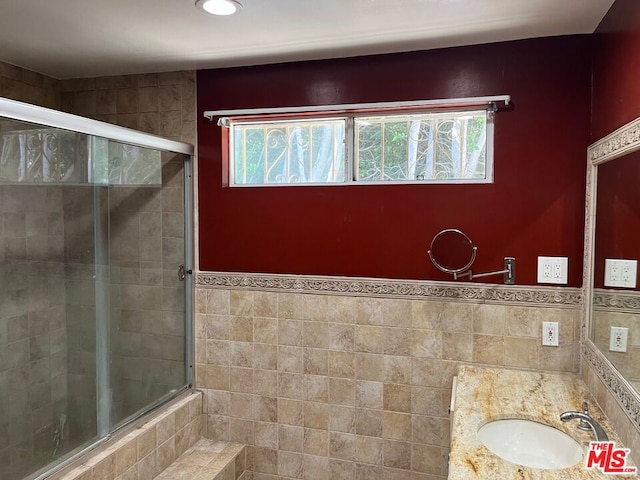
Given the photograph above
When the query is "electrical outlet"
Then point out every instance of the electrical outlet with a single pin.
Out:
(550, 334)
(620, 273)
(618, 339)
(553, 269)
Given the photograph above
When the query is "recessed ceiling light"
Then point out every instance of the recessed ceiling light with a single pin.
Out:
(219, 7)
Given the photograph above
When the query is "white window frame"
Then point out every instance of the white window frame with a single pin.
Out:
(348, 112)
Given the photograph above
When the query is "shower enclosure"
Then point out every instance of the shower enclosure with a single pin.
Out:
(95, 282)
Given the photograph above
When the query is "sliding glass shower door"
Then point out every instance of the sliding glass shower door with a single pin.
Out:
(95, 294)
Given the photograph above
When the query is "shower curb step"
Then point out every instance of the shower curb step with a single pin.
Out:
(208, 460)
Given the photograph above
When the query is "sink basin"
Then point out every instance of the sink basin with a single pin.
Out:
(530, 444)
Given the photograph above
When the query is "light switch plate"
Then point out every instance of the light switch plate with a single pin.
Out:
(620, 273)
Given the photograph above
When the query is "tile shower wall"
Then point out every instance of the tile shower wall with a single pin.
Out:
(33, 356)
(158, 103)
(354, 387)
(26, 86)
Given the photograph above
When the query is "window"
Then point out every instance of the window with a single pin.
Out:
(383, 146)
(434, 146)
(304, 151)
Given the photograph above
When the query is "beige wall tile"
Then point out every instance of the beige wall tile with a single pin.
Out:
(490, 319)
(315, 334)
(426, 315)
(241, 327)
(266, 434)
(241, 405)
(369, 366)
(291, 438)
(316, 415)
(426, 343)
(342, 446)
(342, 391)
(265, 409)
(397, 369)
(397, 397)
(265, 330)
(315, 468)
(146, 443)
(165, 429)
(290, 332)
(521, 352)
(316, 442)
(397, 454)
(341, 337)
(265, 356)
(165, 454)
(290, 464)
(369, 394)
(262, 460)
(457, 346)
(290, 412)
(397, 313)
(396, 426)
(488, 349)
(265, 304)
(342, 419)
(369, 450)
(266, 382)
(315, 361)
(368, 422)
(342, 364)
(364, 383)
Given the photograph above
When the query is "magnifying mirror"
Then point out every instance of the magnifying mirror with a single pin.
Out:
(452, 251)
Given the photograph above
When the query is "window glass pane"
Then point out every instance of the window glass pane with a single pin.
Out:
(306, 151)
(435, 146)
(36, 154)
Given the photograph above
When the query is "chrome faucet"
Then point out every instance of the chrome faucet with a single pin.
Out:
(586, 422)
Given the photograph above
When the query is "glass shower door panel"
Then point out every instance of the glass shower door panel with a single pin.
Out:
(147, 313)
(47, 299)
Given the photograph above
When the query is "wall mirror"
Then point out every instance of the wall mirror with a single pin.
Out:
(612, 247)
(453, 252)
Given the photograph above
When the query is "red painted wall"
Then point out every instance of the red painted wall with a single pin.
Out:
(616, 69)
(534, 207)
(617, 216)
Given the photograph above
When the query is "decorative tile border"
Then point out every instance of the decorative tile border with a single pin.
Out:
(616, 301)
(624, 393)
(620, 142)
(410, 289)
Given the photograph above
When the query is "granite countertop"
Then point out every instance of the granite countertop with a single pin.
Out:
(486, 394)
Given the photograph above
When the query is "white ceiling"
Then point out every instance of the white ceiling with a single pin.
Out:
(87, 38)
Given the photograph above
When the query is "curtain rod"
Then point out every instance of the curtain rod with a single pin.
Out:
(210, 114)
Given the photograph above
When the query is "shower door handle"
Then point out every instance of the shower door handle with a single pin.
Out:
(182, 273)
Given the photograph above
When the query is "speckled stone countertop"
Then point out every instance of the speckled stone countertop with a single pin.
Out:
(486, 394)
